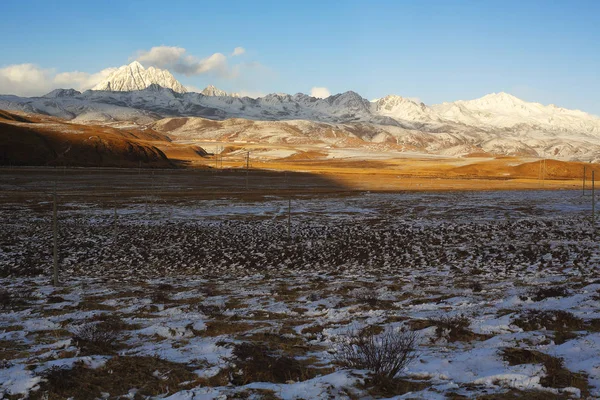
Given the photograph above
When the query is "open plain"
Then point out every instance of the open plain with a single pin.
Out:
(188, 284)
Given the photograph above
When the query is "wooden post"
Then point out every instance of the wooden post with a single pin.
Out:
(583, 188)
(55, 236)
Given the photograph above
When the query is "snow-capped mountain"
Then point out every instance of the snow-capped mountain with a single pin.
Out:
(497, 123)
(135, 77)
(502, 110)
(210, 90)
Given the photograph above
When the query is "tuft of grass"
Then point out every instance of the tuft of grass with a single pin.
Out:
(543, 293)
(455, 328)
(379, 387)
(557, 376)
(221, 327)
(256, 363)
(555, 320)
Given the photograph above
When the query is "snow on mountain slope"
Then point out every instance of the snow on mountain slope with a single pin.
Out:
(402, 108)
(365, 135)
(210, 90)
(135, 77)
(502, 110)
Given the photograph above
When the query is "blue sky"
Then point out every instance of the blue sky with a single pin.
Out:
(546, 51)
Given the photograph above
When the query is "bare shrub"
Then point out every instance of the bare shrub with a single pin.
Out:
(384, 354)
(96, 338)
(366, 296)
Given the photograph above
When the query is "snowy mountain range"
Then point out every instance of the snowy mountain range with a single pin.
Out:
(498, 123)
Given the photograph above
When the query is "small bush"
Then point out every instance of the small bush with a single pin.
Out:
(366, 296)
(384, 355)
(96, 338)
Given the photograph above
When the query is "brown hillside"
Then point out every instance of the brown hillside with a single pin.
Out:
(26, 140)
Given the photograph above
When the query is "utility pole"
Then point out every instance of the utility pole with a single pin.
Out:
(55, 236)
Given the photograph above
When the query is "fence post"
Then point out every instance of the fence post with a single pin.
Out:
(55, 236)
(115, 222)
(247, 167)
(593, 205)
(583, 186)
(289, 219)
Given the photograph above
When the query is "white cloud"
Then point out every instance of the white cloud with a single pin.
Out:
(81, 80)
(238, 51)
(192, 88)
(32, 80)
(320, 92)
(177, 60)
(161, 56)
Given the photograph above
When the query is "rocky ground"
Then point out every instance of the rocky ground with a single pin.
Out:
(218, 299)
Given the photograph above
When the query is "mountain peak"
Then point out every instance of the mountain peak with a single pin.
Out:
(135, 77)
(211, 90)
(57, 93)
(501, 98)
(135, 64)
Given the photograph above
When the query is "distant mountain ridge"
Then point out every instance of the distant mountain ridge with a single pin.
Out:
(498, 123)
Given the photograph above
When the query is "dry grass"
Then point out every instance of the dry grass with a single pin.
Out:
(10, 299)
(222, 327)
(555, 320)
(390, 387)
(151, 376)
(257, 363)
(455, 328)
(557, 376)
